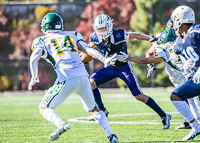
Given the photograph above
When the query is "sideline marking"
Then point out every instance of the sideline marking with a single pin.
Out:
(80, 119)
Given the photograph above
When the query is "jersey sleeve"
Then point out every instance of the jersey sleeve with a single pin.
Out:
(160, 52)
(78, 35)
(38, 43)
(126, 35)
(93, 38)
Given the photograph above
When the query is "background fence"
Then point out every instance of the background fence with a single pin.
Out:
(18, 27)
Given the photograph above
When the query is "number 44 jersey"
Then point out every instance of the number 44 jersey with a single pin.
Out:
(61, 51)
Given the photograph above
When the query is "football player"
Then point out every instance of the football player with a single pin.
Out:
(187, 44)
(60, 49)
(164, 51)
(151, 68)
(111, 42)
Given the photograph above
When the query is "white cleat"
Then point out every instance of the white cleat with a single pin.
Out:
(60, 130)
(192, 134)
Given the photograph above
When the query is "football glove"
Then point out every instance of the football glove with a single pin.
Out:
(33, 82)
(123, 57)
(188, 65)
(108, 61)
(152, 39)
(196, 77)
(150, 69)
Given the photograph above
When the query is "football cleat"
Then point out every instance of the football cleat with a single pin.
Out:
(60, 130)
(113, 138)
(184, 125)
(166, 121)
(192, 134)
(91, 117)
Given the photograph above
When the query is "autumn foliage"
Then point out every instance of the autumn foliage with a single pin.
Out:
(120, 11)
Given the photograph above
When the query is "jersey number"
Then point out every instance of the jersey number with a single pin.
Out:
(68, 43)
(190, 53)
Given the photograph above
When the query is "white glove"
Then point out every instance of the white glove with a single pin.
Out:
(123, 57)
(196, 77)
(110, 60)
(33, 82)
(188, 65)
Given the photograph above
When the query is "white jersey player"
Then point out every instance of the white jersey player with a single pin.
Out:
(164, 51)
(60, 48)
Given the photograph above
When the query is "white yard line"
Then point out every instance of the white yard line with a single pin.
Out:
(80, 119)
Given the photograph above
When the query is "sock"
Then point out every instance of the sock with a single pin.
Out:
(51, 116)
(97, 98)
(193, 107)
(183, 108)
(101, 119)
(194, 124)
(153, 105)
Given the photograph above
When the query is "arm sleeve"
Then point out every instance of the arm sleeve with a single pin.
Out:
(92, 51)
(37, 52)
(33, 62)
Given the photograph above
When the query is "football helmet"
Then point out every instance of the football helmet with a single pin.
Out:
(103, 26)
(52, 22)
(169, 25)
(182, 14)
(166, 36)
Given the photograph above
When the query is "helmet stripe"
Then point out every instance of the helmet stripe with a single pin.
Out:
(100, 19)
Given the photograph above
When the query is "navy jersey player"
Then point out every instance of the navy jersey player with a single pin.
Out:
(187, 44)
(110, 42)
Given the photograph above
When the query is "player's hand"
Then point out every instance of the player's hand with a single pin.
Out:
(188, 65)
(153, 39)
(110, 60)
(196, 77)
(33, 82)
(150, 69)
(123, 57)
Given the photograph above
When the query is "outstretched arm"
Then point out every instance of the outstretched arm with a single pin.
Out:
(139, 60)
(34, 61)
(143, 60)
(139, 36)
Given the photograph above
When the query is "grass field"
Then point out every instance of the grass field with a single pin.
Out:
(130, 119)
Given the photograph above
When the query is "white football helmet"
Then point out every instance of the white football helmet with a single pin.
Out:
(103, 26)
(182, 14)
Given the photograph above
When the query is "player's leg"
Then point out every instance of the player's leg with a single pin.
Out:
(53, 98)
(128, 76)
(193, 107)
(101, 76)
(178, 97)
(88, 101)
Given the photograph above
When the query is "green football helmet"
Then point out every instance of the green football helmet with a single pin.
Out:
(169, 25)
(52, 22)
(166, 36)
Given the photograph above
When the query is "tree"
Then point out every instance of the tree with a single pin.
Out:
(120, 11)
(142, 22)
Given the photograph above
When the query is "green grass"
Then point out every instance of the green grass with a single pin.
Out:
(20, 121)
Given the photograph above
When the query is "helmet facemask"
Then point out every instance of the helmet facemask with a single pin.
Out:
(103, 26)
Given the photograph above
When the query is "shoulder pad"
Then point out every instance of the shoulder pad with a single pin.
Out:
(78, 35)
(93, 37)
(120, 36)
(37, 42)
(160, 52)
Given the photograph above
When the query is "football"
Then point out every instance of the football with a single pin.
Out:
(85, 57)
